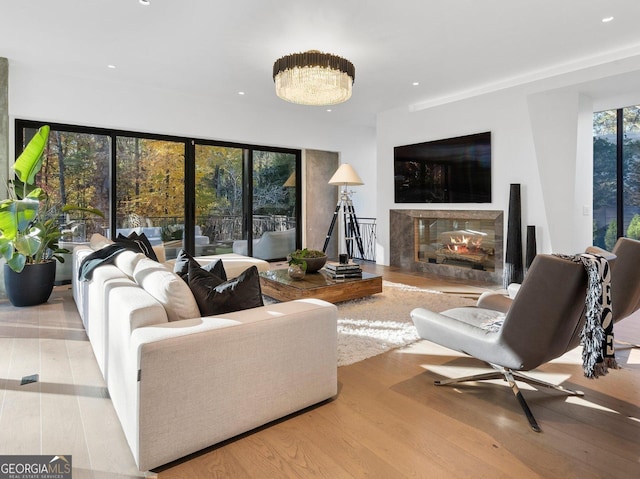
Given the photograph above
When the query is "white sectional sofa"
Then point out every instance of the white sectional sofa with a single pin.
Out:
(180, 382)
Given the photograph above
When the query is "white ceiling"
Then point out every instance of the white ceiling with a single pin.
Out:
(214, 49)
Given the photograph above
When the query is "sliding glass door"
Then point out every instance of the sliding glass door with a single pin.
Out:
(76, 170)
(246, 201)
(218, 198)
(273, 212)
(208, 197)
(616, 175)
(150, 190)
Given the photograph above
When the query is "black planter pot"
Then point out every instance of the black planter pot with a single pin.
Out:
(33, 285)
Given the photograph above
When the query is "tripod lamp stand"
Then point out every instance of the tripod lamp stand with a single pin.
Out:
(346, 176)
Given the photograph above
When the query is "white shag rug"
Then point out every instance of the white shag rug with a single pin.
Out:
(376, 324)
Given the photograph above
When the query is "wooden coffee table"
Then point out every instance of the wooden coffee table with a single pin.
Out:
(278, 285)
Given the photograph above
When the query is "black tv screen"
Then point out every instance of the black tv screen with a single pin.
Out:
(454, 170)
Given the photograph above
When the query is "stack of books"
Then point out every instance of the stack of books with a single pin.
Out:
(343, 270)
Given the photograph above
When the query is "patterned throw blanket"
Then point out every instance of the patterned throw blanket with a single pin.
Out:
(598, 354)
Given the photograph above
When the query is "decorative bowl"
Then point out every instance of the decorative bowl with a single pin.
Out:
(313, 264)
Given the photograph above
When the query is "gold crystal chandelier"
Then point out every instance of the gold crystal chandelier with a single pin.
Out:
(313, 78)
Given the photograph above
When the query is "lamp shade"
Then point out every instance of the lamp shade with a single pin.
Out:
(313, 78)
(291, 181)
(345, 175)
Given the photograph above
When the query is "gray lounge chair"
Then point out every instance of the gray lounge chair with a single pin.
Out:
(543, 322)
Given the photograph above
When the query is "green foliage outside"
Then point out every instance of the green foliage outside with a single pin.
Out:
(76, 170)
(611, 236)
(605, 182)
(29, 217)
(150, 182)
(633, 231)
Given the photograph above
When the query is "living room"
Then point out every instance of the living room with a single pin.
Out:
(539, 112)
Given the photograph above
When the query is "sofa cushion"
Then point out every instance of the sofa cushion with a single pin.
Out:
(216, 296)
(127, 260)
(138, 241)
(184, 260)
(167, 288)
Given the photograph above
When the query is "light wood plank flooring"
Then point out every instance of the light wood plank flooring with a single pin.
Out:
(388, 420)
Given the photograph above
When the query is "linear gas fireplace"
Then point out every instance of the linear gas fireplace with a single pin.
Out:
(460, 244)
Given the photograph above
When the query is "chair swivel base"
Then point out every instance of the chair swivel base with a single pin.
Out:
(510, 376)
(626, 345)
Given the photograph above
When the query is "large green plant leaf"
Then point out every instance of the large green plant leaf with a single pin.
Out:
(6, 248)
(8, 221)
(17, 262)
(30, 160)
(27, 234)
(28, 245)
(17, 215)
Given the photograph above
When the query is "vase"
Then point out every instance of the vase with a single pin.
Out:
(532, 248)
(513, 272)
(296, 272)
(33, 285)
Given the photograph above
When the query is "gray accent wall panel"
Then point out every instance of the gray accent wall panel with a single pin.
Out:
(320, 200)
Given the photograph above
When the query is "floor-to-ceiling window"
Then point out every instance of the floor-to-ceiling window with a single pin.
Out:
(616, 175)
(181, 192)
(75, 171)
(150, 190)
(218, 195)
(274, 192)
(232, 221)
(150, 182)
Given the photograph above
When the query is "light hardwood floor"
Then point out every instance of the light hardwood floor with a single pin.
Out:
(388, 420)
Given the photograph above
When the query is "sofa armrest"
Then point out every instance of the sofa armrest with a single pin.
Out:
(80, 289)
(204, 381)
(240, 246)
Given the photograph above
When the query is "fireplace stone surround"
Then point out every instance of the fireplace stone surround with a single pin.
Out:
(480, 232)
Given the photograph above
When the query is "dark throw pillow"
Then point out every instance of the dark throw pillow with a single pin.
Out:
(184, 259)
(138, 242)
(215, 296)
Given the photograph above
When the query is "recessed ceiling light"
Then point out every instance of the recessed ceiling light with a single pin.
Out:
(329, 110)
(607, 19)
(111, 66)
(416, 83)
(144, 2)
(240, 93)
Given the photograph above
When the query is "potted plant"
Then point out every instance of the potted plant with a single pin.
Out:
(29, 229)
(313, 258)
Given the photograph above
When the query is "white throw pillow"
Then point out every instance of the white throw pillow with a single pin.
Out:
(97, 241)
(167, 288)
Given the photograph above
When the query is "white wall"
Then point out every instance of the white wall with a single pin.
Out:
(80, 101)
(541, 138)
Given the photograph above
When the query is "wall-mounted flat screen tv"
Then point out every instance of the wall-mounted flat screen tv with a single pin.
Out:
(453, 170)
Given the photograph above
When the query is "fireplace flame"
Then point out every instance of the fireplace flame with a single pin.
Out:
(464, 244)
